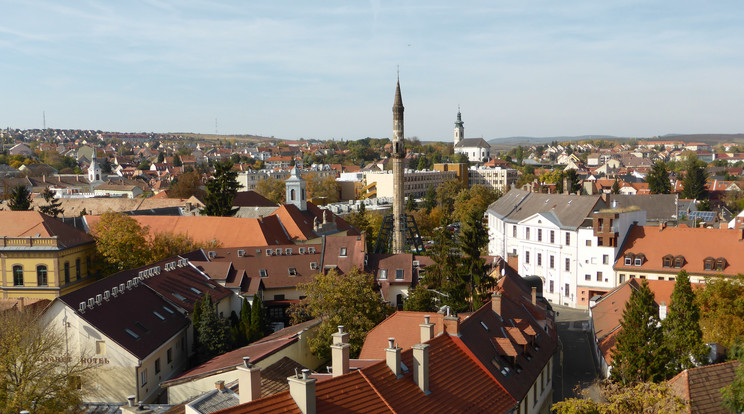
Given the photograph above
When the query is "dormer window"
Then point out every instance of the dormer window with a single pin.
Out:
(709, 263)
(679, 261)
(720, 264)
(292, 271)
(342, 253)
(668, 260)
(263, 273)
(629, 259)
(639, 259)
(383, 274)
(398, 274)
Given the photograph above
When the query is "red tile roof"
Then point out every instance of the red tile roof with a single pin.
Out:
(694, 244)
(230, 231)
(701, 386)
(35, 224)
(457, 382)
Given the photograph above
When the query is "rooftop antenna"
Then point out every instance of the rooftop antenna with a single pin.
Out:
(43, 117)
(397, 72)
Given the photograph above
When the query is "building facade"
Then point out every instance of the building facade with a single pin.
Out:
(498, 178)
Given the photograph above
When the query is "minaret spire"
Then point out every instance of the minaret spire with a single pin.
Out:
(398, 155)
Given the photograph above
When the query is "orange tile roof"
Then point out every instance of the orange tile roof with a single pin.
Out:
(229, 231)
(401, 326)
(694, 244)
(297, 225)
(35, 224)
(701, 386)
(458, 384)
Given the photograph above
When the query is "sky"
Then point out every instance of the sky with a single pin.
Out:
(327, 69)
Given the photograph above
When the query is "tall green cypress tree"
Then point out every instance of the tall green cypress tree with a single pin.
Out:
(638, 354)
(682, 334)
(245, 322)
(258, 320)
(213, 333)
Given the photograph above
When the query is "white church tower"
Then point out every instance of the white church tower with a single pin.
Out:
(296, 187)
(94, 170)
(459, 128)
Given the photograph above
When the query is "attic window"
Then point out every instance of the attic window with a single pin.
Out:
(398, 274)
(140, 326)
(638, 260)
(342, 253)
(720, 263)
(292, 271)
(709, 263)
(263, 273)
(667, 261)
(288, 251)
(195, 290)
(679, 261)
(131, 333)
(628, 259)
(179, 297)
(383, 274)
(161, 317)
(169, 310)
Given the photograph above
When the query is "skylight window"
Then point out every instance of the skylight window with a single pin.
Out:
(179, 297)
(131, 333)
(169, 310)
(292, 271)
(142, 327)
(195, 290)
(161, 317)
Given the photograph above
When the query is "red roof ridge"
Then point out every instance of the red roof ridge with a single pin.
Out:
(379, 394)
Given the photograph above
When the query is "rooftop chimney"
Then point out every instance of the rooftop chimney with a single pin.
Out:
(392, 357)
(302, 390)
(496, 303)
(249, 381)
(340, 337)
(340, 352)
(452, 325)
(427, 329)
(534, 295)
(662, 225)
(220, 385)
(130, 400)
(421, 366)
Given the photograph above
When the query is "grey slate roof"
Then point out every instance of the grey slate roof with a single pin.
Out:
(569, 210)
(659, 207)
(473, 142)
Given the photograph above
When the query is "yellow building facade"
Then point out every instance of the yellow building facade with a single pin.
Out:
(42, 257)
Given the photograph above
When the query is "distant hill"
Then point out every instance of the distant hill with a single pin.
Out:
(712, 139)
(511, 142)
(215, 137)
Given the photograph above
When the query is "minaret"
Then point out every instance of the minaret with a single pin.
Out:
(296, 187)
(399, 154)
(459, 128)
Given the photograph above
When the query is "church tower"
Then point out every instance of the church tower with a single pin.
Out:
(459, 128)
(398, 155)
(296, 187)
(94, 170)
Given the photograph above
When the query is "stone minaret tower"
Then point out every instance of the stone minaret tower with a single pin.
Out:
(399, 154)
(296, 187)
(459, 128)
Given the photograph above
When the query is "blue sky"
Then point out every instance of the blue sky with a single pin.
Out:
(327, 69)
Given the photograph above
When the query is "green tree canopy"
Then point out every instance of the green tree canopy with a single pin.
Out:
(614, 398)
(221, 190)
(658, 179)
(20, 198)
(694, 181)
(420, 299)
(638, 355)
(348, 299)
(213, 332)
(53, 207)
(121, 242)
(721, 301)
(683, 337)
(30, 379)
(259, 326)
(273, 189)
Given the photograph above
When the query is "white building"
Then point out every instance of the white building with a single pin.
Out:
(415, 182)
(494, 178)
(561, 239)
(135, 326)
(477, 149)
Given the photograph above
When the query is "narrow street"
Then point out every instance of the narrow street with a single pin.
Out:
(574, 362)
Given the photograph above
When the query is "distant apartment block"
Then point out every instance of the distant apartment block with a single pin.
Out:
(416, 182)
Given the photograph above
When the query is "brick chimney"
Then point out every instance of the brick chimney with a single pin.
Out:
(302, 390)
(392, 357)
(496, 302)
(249, 381)
(427, 329)
(452, 325)
(421, 366)
(220, 385)
(662, 225)
(340, 352)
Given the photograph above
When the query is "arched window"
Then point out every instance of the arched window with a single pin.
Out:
(292, 194)
(41, 275)
(17, 275)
